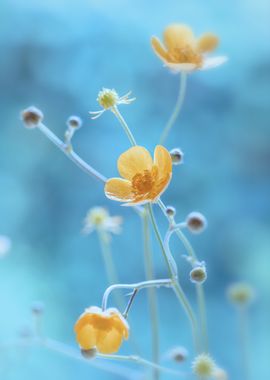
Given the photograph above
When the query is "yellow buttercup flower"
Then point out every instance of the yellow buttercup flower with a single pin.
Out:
(144, 179)
(103, 330)
(182, 51)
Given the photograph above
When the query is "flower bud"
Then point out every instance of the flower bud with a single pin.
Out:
(38, 308)
(196, 222)
(89, 354)
(203, 366)
(74, 122)
(198, 274)
(177, 156)
(107, 98)
(31, 117)
(240, 293)
(220, 374)
(170, 211)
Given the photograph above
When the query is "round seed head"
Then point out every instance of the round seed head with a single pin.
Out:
(107, 98)
(31, 117)
(177, 156)
(241, 293)
(74, 122)
(198, 274)
(196, 222)
(89, 354)
(170, 211)
(203, 366)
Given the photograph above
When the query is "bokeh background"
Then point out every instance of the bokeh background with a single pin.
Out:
(57, 55)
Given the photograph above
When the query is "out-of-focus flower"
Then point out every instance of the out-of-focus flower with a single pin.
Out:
(98, 218)
(182, 51)
(203, 366)
(240, 293)
(108, 99)
(103, 330)
(144, 179)
(5, 245)
(220, 374)
(178, 354)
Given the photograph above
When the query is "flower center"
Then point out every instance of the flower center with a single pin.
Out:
(185, 55)
(142, 183)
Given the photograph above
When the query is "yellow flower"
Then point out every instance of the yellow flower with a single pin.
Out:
(182, 51)
(143, 179)
(103, 330)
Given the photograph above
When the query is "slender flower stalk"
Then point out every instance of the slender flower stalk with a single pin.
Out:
(177, 228)
(152, 296)
(139, 285)
(70, 153)
(123, 123)
(177, 108)
(112, 275)
(243, 329)
(175, 284)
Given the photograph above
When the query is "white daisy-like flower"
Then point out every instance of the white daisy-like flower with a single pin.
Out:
(98, 218)
(5, 245)
(108, 99)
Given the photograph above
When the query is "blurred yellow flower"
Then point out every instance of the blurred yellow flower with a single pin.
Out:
(103, 330)
(182, 51)
(143, 179)
(98, 218)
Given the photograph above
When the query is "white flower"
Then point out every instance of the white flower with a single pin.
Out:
(98, 218)
(5, 245)
(108, 99)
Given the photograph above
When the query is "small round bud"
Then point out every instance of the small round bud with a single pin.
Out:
(241, 293)
(31, 117)
(178, 354)
(89, 354)
(177, 156)
(196, 222)
(203, 366)
(38, 308)
(198, 274)
(170, 211)
(107, 98)
(220, 374)
(74, 122)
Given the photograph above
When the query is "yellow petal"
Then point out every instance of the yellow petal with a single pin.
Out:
(177, 36)
(109, 342)
(207, 42)
(163, 161)
(118, 189)
(159, 49)
(86, 337)
(135, 160)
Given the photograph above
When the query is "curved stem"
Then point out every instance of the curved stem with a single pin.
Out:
(175, 284)
(139, 285)
(112, 274)
(177, 108)
(71, 154)
(123, 123)
(152, 296)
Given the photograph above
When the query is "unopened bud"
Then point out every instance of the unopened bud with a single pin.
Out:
(170, 211)
(178, 354)
(196, 222)
(177, 156)
(31, 117)
(198, 274)
(89, 354)
(74, 122)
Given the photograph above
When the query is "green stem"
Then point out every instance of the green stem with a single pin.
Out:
(152, 296)
(243, 337)
(175, 284)
(111, 271)
(177, 108)
(123, 123)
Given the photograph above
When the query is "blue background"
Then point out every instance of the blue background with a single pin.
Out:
(57, 55)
